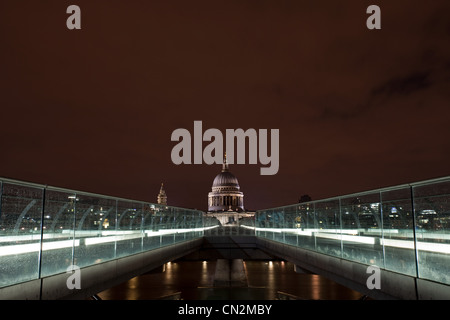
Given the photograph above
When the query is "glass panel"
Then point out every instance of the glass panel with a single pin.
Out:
(278, 224)
(306, 226)
(198, 224)
(166, 225)
(183, 220)
(20, 233)
(290, 225)
(129, 234)
(268, 224)
(398, 232)
(328, 237)
(362, 229)
(151, 223)
(432, 214)
(272, 223)
(260, 223)
(247, 226)
(58, 238)
(94, 242)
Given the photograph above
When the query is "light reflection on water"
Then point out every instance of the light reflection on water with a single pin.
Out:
(132, 289)
(265, 277)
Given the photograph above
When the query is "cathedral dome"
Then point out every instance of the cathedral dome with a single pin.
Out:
(226, 179)
(225, 194)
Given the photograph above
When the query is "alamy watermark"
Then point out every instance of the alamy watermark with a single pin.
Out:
(373, 21)
(374, 280)
(258, 141)
(74, 280)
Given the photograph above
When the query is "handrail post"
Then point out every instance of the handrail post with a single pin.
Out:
(416, 253)
(41, 241)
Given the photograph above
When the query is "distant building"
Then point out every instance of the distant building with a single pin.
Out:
(225, 194)
(305, 198)
(162, 197)
(226, 201)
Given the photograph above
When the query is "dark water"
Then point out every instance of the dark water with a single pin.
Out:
(193, 280)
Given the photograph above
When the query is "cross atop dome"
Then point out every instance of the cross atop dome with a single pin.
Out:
(225, 163)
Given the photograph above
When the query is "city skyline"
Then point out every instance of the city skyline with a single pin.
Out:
(93, 109)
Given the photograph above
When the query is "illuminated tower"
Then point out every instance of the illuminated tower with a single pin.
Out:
(162, 198)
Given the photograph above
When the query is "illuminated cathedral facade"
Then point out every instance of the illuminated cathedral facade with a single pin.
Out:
(226, 200)
(225, 194)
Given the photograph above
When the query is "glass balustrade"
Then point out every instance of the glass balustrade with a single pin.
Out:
(44, 230)
(405, 229)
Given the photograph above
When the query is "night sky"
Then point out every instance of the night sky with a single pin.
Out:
(94, 109)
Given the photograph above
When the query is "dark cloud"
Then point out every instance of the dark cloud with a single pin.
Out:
(404, 85)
